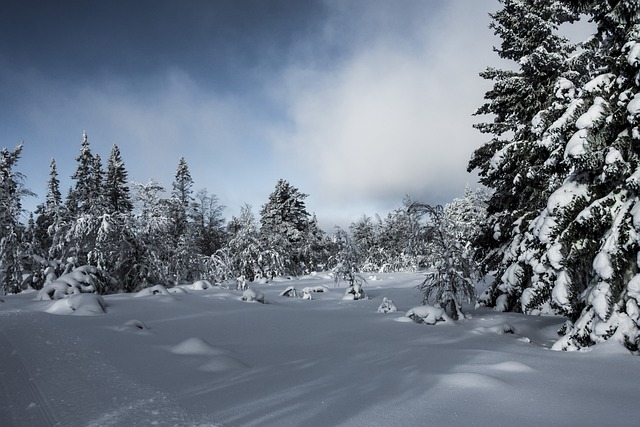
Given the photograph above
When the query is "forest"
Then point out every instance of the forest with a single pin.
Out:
(554, 228)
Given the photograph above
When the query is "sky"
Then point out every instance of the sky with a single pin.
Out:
(356, 103)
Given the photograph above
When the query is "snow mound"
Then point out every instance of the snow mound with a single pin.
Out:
(428, 314)
(251, 295)
(153, 290)
(219, 360)
(133, 325)
(498, 329)
(196, 346)
(223, 363)
(508, 366)
(471, 380)
(387, 306)
(79, 305)
(201, 285)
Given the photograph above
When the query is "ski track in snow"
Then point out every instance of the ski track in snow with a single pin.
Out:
(72, 387)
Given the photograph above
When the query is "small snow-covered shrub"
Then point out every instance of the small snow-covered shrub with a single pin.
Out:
(355, 292)
(428, 314)
(82, 279)
(387, 306)
(153, 290)
(290, 292)
(251, 295)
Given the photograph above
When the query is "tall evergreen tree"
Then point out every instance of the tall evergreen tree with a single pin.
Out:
(520, 167)
(79, 197)
(593, 217)
(48, 212)
(11, 192)
(182, 196)
(116, 188)
(284, 224)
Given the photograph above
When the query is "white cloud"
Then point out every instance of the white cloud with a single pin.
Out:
(392, 119)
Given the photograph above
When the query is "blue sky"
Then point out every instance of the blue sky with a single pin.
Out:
(355, 102)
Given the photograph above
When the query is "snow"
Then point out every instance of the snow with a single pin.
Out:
(576, 145)
(565, 195)
(633, 107)
(593, 115)
(633, 57)
(205, 358)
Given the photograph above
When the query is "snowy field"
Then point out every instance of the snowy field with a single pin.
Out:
(204, 357)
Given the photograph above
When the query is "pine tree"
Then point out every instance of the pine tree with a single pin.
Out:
(182, 196)
(115, 186)
(595, 212)
(80, 198)
(11, 192)
(284, 223)
(48, 212)
(518, 164)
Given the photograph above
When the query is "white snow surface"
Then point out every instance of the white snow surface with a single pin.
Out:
(205, 358)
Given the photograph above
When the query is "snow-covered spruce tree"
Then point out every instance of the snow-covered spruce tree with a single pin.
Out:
(520, 169)
(284, 226)
(11, 192)
(452, 272)
(85, 206)
(116, 188)
(244, 255)
(596, 213)
(152, 224)
(48, 212)
(87, 195)
(185, 258)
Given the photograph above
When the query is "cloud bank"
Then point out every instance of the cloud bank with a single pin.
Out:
(393, 118)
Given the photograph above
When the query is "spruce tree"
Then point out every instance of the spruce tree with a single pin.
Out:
(595, 213)
(116, 188)
(519, 166)
(284, 224)
(11, 192)
(48, 212)
(182, 196)
(80, 197)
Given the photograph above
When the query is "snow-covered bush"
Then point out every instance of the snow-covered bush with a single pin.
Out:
(355, 292)
(251, 295)
(387, 306)
(428, 315)
(82, 279)
(290, 292)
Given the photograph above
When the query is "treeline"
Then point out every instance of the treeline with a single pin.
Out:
(139, 235)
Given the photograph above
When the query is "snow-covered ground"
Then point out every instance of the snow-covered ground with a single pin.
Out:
(205, 357)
